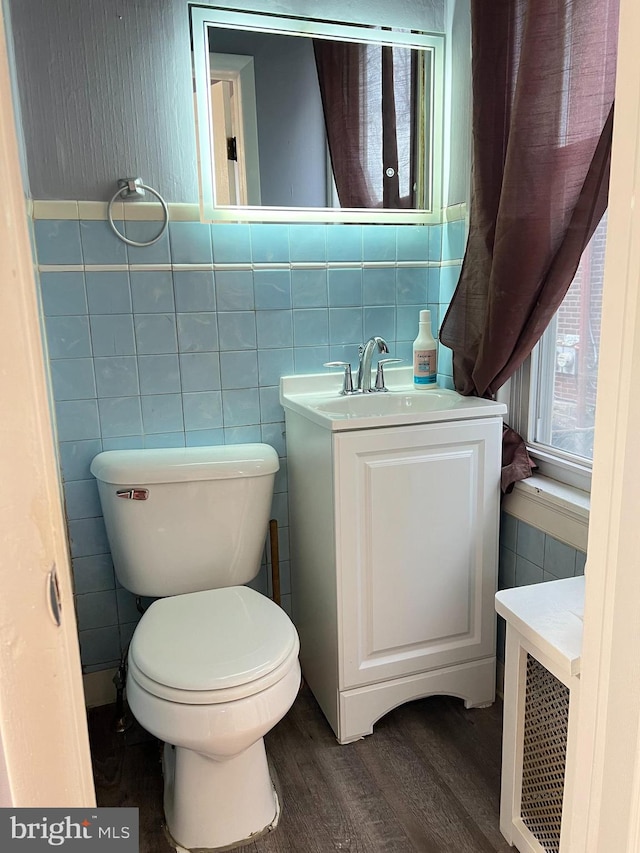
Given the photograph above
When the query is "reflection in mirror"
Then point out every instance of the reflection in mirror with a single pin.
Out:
(339, 123)
(285, 115)
(376, 102)
(234, 129)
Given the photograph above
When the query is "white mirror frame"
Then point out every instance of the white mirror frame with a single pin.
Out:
(202, 17)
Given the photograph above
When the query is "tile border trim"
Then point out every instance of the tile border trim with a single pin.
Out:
(138, 211)
(151, 211)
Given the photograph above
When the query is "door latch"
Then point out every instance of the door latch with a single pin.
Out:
(53, 594)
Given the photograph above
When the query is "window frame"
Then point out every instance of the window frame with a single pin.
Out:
(529, 406)
(523, 400)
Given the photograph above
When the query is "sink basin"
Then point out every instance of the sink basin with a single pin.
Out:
(393, 402)
(318, 399)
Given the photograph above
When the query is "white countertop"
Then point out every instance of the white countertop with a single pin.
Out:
(549, 615)
(317, 397)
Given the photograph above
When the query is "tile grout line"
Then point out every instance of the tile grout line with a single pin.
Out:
(243, 266)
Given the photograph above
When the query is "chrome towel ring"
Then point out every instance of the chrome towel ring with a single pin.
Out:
(133, 188)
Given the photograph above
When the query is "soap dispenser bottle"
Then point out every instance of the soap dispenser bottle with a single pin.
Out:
(425, 353)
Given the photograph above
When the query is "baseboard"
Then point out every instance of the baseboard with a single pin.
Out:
(99, 688)
(500, 679)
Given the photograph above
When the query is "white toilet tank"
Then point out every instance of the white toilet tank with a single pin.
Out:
(186, 519)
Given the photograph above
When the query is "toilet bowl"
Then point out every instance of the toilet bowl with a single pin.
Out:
(210, 673)
(213, 665)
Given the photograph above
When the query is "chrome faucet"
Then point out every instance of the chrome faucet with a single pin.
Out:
(365, 353)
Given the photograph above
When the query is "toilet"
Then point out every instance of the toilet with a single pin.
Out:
(212, 665)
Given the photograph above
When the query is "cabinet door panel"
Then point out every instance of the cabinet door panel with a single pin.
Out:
(417, 547)
(424, 570)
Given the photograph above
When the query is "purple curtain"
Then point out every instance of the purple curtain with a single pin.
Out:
(543, 88)
(368, 95)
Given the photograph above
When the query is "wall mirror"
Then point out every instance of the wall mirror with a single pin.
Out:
(316, 121)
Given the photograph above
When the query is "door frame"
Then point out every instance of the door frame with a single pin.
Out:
(41, 704)
(604, 800)
(43, 725)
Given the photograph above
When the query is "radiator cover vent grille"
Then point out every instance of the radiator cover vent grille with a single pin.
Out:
(546, 721)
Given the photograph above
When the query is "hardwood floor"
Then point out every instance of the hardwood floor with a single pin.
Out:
(427, 780)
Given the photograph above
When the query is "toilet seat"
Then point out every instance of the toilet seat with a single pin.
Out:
(212, 697)
(212, 646)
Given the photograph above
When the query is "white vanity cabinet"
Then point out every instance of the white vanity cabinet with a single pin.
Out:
(394, 536)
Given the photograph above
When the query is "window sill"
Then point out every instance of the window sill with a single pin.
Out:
(557, 509)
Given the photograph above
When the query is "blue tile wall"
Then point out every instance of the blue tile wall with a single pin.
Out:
(142, 232)
(528, 555)
(453, 240)
(176, 356)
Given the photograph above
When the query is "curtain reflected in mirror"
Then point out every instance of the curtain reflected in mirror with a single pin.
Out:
(372, 97)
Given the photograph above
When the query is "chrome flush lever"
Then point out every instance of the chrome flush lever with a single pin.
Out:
(133, 494)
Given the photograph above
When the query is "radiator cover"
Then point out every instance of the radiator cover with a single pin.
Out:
(546, 721)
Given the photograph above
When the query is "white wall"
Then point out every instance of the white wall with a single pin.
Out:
(457, 139)
(422, 14)
(105, 87)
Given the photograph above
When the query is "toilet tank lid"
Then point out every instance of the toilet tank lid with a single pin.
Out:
(184, 464)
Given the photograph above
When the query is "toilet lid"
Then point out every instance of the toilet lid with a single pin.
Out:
(212, 640)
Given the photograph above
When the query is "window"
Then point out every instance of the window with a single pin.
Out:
(553, 399)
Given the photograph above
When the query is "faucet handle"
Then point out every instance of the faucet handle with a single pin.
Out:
(380, 386)
(347, 385)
